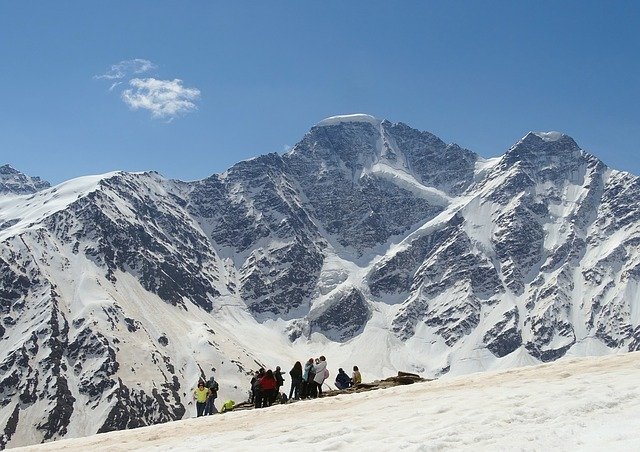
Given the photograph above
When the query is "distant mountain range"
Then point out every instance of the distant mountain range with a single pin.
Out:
(369, 242)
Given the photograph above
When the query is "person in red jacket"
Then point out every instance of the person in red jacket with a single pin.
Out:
(268, 389)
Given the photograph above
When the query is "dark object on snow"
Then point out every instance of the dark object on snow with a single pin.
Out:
(407, 374)
(403, 378)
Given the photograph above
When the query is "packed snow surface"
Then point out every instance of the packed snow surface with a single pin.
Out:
(583, 403)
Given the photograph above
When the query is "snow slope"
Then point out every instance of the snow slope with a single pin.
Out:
(585, 403)
(21, 213)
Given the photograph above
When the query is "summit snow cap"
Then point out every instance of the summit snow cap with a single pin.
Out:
(359, 117)
(549, 136)
(552, 141)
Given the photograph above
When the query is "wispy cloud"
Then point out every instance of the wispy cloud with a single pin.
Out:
(165, 99)
(126, 68)
(114, 85)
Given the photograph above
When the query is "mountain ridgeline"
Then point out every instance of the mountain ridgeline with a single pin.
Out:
(368, 238)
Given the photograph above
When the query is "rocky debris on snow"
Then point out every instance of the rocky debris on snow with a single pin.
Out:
(403, 378)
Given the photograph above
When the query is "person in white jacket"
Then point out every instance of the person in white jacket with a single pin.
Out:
(321, 373)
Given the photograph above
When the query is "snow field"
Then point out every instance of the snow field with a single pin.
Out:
(584, 403)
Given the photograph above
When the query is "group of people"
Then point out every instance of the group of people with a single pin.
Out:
(306, 382)
(265, 387)
(343, 381)
(205, 396)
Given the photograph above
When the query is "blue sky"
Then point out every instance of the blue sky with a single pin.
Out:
(218, 82)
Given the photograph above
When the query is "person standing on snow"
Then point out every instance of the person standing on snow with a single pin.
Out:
(278, 375)
(213, 387)
(307, 379)
(321, 373)
(200, 396)
(268, 389)
(255, 387)
(296, 380)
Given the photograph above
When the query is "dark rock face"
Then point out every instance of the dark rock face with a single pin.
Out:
(255, 216)
(107, 303)
(134, 408)
(345, 318)
(452, 265)
(282, 280)
(449, 168)
(400, 272)
(505, 336)
(157, 226)
(358, 208)
(24, 375)
(519, 245)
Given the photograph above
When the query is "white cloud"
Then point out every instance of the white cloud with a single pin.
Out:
(124, 68)
(163, 98)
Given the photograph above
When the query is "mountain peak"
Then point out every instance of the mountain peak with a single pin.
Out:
(549, 140)
(542, 146)
(14, 182)
(6, 169)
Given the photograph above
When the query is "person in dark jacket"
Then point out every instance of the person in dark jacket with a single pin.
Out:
(278, 374)
(307, 378)
(343, 381)
(256, 393)
(213, 387)
(296, 380)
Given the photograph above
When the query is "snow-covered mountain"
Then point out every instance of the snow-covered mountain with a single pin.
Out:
(13, 181)
(369, 242)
